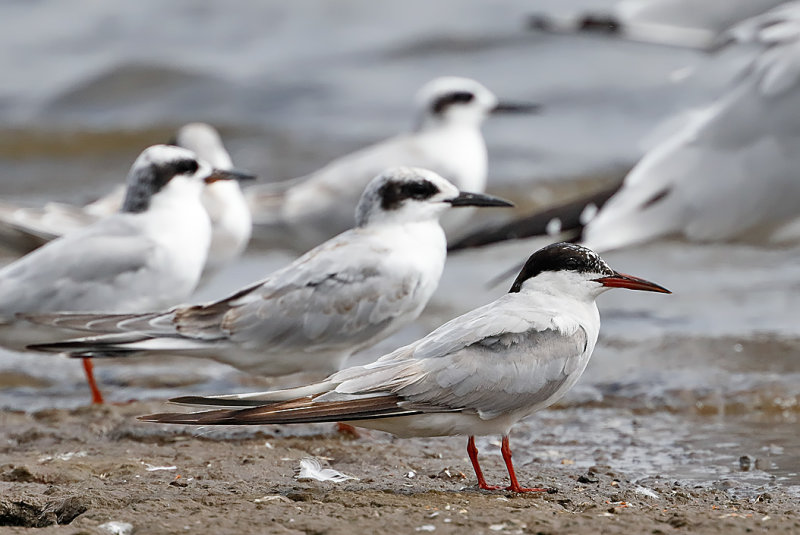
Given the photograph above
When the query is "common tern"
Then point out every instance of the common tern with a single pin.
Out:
(150, 254)
(478, 374)
(301, 213)
(25, 228)
(343, 296)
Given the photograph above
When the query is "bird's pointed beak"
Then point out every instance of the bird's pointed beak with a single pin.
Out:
(621, 280)
(517, 107)
(229, 174)
(478, 199)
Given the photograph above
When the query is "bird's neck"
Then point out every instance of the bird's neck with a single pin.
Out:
(563, 286)
(433, 124)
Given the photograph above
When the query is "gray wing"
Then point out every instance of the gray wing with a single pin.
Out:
(731, 170)
(523, 365)
(501, 374)
(339, 297)
(23, 229)
(523, 371)
(329, 195)
(340, 294)
(491, 360)
(90, 269)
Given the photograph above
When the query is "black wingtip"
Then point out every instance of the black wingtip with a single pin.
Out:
(187, 400)
(169, 418)
(218, 402)
(76, 349)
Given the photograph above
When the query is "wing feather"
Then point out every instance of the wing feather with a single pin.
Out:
(301, 410)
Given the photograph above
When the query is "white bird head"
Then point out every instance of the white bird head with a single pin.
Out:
(165, 171)
(204, 140)
(577, 270)
(454, 100)
(409, 194)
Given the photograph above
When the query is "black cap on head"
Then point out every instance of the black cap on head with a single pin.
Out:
(561, 257)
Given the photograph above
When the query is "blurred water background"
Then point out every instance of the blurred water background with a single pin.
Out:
(682, 385)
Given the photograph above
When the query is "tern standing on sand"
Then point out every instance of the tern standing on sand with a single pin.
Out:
(478, 374)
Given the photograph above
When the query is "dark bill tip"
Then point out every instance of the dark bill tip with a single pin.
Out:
(621, 280)
(517, 107)
(478, 199)
(229, 174)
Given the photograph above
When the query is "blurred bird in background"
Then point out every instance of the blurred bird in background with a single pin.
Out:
(24, 228)
(727, 171)
(301, 213)
(686, 23)
(149, 254)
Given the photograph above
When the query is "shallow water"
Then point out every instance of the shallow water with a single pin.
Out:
(680, 386)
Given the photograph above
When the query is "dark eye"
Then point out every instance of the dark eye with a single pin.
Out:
(463, 96)
(419, 190)
(186, 167)
(457, 97)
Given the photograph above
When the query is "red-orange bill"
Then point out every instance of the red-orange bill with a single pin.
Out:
(621, 280)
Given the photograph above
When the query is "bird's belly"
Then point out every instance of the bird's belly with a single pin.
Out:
(261, 361)
(441, 424)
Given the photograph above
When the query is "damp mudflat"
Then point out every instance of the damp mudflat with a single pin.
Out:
(94, 468)
(685, 420)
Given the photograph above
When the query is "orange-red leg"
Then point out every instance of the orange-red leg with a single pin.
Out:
(472, 451)
(514, 487)
(97, 396)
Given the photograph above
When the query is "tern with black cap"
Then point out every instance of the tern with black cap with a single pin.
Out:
(478, 374)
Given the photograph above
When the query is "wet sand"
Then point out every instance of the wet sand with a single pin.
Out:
(89, 466)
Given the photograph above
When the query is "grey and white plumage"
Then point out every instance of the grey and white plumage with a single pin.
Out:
(25, 228)
(149, 254)
(338, 298)
(477, 374)
(729, 173)
(685, 23)
(301, 213)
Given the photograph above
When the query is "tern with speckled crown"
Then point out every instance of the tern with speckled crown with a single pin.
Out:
(149, 254)
(24, 228)
(343, 296)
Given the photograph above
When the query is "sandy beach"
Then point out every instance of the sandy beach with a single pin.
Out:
(88, 467)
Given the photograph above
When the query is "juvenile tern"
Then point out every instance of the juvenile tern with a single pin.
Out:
(478, 374)
(25, 228)
(149, 254)
(301, 213)
(343, 296)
